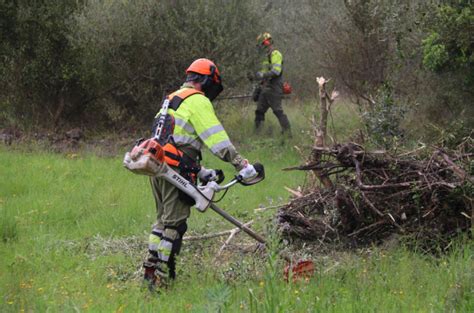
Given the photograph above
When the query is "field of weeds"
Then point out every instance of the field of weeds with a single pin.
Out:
(74, 226)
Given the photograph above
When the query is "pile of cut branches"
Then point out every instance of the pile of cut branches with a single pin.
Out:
(427, 195)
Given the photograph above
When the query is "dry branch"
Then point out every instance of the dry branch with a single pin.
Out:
(233, 232)
(294, 192)
(377, 194)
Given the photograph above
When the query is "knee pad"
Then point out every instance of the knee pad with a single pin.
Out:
(171, 241)
(178, 238)
(182, 228)
(154, 240)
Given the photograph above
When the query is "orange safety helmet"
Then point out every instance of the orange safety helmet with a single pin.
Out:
(211, 83)
(264, 39)
(205, 67)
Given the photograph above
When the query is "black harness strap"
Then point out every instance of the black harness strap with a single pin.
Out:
(172, 156)
(175, 103)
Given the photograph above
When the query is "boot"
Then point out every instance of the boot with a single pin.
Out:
(149, 277)
(284, 122)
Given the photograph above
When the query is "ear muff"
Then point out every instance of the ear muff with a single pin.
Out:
(211, 85)
(214, 75)
(212, 78)
(213, 71)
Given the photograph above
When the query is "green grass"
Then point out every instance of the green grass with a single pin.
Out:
(74, 228)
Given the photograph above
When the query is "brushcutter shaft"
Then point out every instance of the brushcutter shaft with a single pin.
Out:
(233, 97)
(237, 223)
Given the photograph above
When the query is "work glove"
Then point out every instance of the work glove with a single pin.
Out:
(248, 172)
(259, 76)
(206, 175)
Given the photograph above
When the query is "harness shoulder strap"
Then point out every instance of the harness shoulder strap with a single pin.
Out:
(176, 98)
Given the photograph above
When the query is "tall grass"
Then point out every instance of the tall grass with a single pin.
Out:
(74, 228)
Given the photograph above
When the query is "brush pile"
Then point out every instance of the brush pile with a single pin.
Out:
(427, 195)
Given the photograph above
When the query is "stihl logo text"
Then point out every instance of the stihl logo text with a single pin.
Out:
(180, 180)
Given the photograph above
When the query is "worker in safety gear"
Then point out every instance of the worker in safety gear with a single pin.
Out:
(196, 126)
(268, 93)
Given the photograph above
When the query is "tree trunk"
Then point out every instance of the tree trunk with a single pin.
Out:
(59, 110)
(320, 134)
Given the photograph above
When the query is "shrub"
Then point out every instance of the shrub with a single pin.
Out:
(39, 81)
(384, 118)
(110, 62)
(136, 52)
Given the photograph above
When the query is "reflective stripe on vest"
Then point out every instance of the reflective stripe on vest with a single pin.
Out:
(196, 123)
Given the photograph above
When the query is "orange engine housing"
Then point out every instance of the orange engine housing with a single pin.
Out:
(287, 88)
(163, 154)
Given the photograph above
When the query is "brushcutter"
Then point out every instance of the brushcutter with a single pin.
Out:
(140, 162)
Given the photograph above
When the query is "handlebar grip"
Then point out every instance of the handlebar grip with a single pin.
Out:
(260, 169)
(260, 176)
(220, 176)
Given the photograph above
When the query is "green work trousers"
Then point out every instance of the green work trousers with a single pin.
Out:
(171, 211)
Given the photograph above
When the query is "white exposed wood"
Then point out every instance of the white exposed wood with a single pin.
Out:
(213, 235)
(294, 192)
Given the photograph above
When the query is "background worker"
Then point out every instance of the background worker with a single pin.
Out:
(196, 125)
(271, 84)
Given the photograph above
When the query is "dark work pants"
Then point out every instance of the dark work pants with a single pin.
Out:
(271, 98)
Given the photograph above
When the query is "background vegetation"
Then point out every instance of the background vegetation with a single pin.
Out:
(106, 64)
(73, 224)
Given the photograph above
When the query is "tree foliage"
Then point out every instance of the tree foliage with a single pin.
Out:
(449, 45)
(112, 61)
(38, 65)
(423, 50)
(109, 63)
(137, 51)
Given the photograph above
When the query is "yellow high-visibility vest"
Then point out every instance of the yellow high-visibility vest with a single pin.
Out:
(273, 63)
(196, 124)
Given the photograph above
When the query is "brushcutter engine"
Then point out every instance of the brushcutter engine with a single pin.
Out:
(147, 159)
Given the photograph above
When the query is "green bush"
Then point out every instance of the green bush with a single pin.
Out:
(110, 62)
(133, 53)
(38, 67)
(383, 119)
(445, 80)
(435, 54)
(449, 46)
